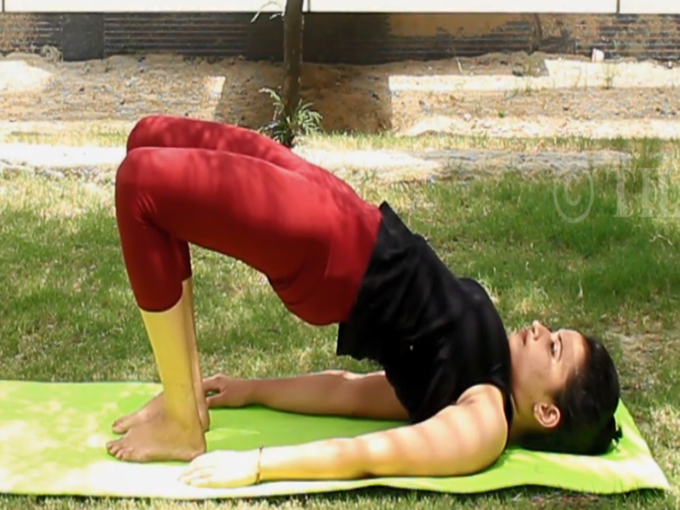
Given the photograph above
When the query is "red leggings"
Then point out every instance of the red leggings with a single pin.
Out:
(239, 193)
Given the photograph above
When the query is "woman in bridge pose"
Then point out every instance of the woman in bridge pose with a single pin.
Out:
(464, 387)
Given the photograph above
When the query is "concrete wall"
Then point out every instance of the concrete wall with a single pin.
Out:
(365, 38)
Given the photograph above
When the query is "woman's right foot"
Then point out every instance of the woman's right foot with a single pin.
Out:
(153, 408)
(159, 439)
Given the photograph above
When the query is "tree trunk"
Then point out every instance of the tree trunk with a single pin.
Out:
(292, 55)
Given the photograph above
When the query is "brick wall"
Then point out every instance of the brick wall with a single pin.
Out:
(29, 32)
(347, 38)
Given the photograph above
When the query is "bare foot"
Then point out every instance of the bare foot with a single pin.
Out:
(153, 408)
(160, 438)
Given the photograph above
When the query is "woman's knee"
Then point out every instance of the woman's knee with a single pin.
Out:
(144, 132)
(128, 176)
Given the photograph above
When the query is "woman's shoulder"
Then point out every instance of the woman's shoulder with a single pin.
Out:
(476, 290)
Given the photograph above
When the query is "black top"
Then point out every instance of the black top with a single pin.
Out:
(436, 335)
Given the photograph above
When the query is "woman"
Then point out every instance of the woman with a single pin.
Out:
(449, 367)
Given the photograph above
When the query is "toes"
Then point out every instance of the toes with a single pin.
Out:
(121, 425)
(113, 447)
(120, 450)
(124, 453)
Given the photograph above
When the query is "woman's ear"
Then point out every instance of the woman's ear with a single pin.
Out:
(547, 415)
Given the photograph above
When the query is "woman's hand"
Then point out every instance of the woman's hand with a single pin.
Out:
(229, 391)
(223, 469)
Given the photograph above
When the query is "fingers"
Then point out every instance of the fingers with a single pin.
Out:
(226, 391)
(201, 470)
(213, 383)
(217, 384)
(215, 400)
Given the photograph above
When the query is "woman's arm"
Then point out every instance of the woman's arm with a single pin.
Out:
(462, 439)
(336, 392)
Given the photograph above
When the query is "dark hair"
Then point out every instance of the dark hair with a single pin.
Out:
(587, 405)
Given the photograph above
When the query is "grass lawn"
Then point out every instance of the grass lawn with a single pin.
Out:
(115, 135)
(68, 313)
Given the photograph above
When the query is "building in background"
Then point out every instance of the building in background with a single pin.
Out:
(352, 38)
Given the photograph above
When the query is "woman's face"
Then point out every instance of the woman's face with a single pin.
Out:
(543, 361)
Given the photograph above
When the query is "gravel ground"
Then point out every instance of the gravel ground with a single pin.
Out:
(501, 95)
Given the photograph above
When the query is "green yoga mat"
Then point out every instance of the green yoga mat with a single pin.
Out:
(53, 436)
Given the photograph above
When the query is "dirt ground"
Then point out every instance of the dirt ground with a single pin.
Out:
(501, 95)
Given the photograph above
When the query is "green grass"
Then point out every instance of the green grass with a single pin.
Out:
(68, 313)
(78, 134)
(359, 141)
(115, 135)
